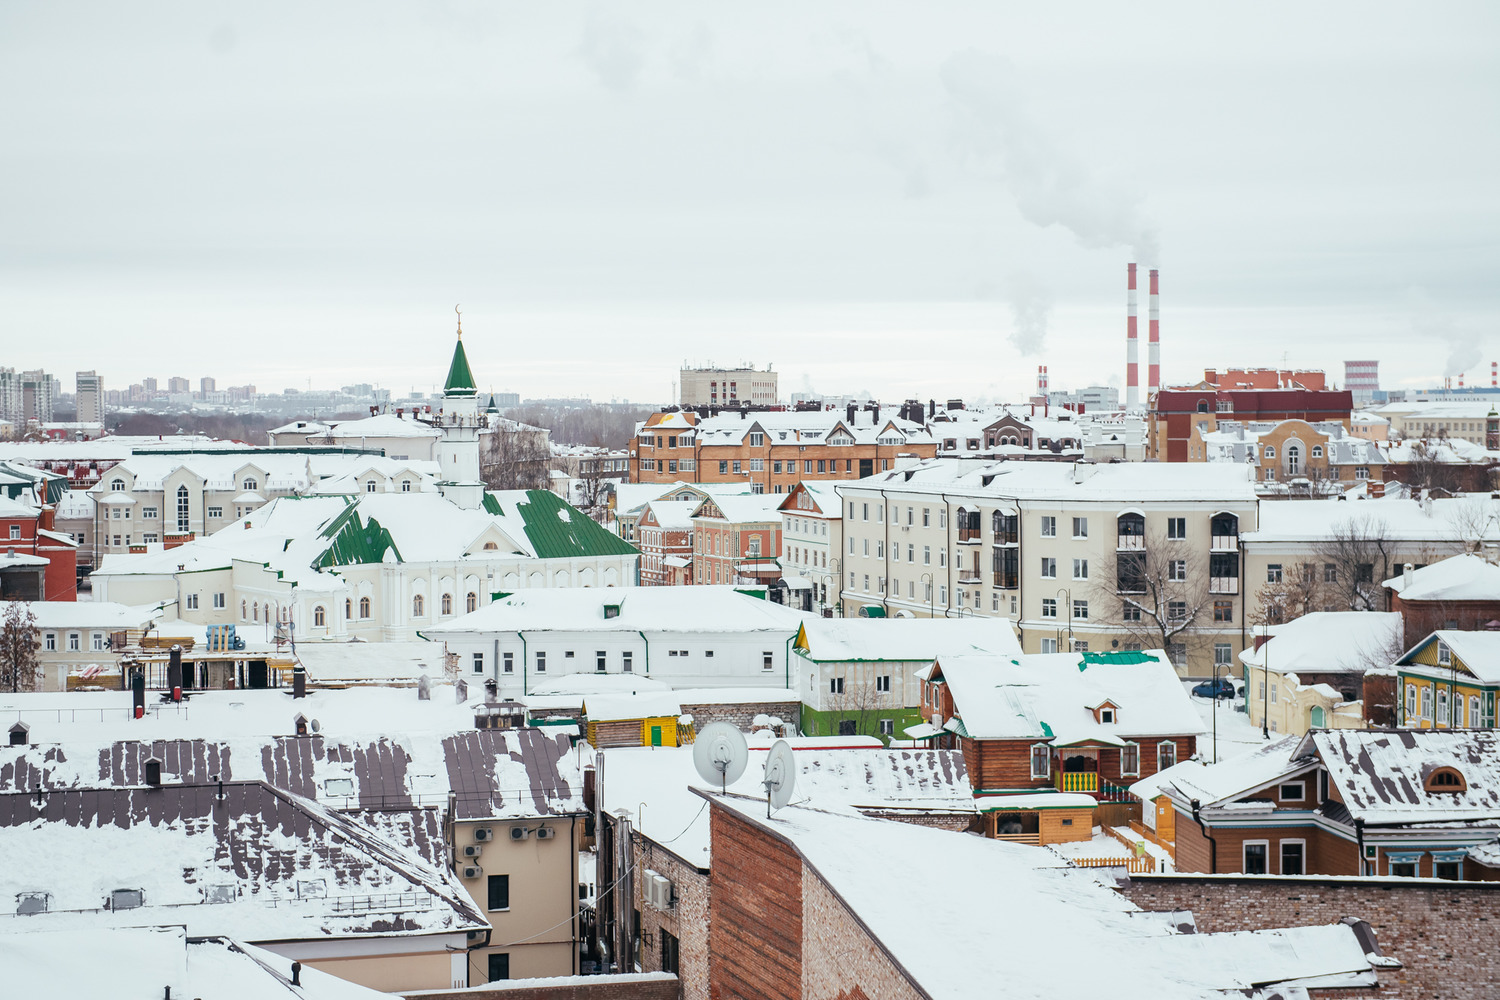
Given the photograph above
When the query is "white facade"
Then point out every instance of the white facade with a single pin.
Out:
(686, 637)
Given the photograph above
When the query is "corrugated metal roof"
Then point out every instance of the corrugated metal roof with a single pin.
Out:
(558, 530)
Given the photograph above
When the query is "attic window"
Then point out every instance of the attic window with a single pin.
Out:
(1107, 716)
(1446, 779)
(28, 903)
(1445, 655)
(490, 546)
(611, 611)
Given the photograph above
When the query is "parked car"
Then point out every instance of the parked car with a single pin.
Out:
(1221, 688)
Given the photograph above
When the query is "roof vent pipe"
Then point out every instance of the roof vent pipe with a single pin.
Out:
(1406, 572)
(296, 973)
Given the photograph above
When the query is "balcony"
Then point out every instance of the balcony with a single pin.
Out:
(969, 576)
(1077, 781)
(1224, 543)
(1006, 581)
(1130, 543)
(1223, 585)
(972, 535)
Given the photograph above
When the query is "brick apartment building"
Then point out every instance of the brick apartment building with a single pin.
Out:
(771, 451)
(1258, 394)
(36, 562)
(1458, 593)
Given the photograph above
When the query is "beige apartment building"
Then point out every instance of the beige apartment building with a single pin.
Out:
(1099, 558)
(1465, 420)
(727, 386)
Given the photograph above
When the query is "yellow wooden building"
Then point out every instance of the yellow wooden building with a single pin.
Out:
(645, 719)
(1450, 680)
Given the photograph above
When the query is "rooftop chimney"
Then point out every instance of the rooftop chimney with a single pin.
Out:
(296, 973)
(299, 681)
(460, 691)
(174, 673)
(138, 692)
(491, 691)
(424, 688)
(1132, 342)
(153, 772)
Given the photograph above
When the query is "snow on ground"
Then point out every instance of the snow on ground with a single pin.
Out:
(1236, 734)
(1103, 845)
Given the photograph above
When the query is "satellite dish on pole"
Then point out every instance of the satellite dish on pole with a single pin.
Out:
(781, 775)
(720, 754)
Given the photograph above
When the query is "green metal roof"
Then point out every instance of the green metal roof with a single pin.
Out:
(1123, 656)
(558, 530)
(460, 378)
(355, 541)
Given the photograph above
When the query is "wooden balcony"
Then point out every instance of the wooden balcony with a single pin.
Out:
(1076, 781)
(970, 535)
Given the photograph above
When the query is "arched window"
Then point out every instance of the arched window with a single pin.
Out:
(447, 604)
(1317, 451)
(118, 485)
(182, 508)
(364, 607)
(1316, 718)
(1446, 779)
(319, 618)
(255, 611)
(1293, 460)
(250, 485)
(471, 602)
(370, 486)
(243, 609)
(417, 606)
(1270, 451)
(1202, 406)
(490, 546)
(348, 609)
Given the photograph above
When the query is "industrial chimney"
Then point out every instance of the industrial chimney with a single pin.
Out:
(1154, 310)
(1132, 344)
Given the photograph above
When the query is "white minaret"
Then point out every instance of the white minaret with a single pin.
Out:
(458, 451)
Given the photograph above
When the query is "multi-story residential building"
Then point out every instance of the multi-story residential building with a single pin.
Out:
(727, 386)
(1036, 431)
(75, 636)
(771, 451)
(37, 563)
(11, 408)
(1464, 420)
(1242, 395)
(38, 394)
(1106, 557)
(665, 537)
(1333, 555)
(812, 535)
(207, 387)
(630, 500)
(1324, 456)
(737, 539)
(90, 397)
(178, 384)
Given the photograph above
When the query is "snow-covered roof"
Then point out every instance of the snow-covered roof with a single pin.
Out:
(138, 963)
(784, 427)
(842, 639)
(106, 615)
(946, 952)
(1228, 779)
(1478, 651)
(1331, 641)
(1449, 519)
(1457, 578)
(672, 515)
(1381, 774)
(1069, 481)
(111, 447)
(649, 609)
(875, 779)
(382, 425)
(742, 508)
(1052, 696)
(345, 881)
(632, 705)
(337, 663)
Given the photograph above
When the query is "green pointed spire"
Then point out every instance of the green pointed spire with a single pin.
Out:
(460, 377)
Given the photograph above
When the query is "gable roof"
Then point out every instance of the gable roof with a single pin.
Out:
(1049, 696)
(1458, 578)
(840, 640)
(1331, 641)
(1381, 773)
(1477, 651)
(649, 609)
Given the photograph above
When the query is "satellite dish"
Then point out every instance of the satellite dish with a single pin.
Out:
(781, 775)
(317, 726)
(720, 754)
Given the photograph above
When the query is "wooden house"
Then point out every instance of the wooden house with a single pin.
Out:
(640, 719)
(1449, 680)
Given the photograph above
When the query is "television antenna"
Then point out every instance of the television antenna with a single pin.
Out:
(720, 754)
(781, 776)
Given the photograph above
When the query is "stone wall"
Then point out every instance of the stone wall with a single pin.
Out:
(742, 714)
(686, 920)
(1442, 932)
(839, 960)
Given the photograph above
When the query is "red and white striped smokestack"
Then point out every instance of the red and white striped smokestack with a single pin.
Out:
(1153, 310)
(1132, 344)
(1495, 374)
(1041, 380)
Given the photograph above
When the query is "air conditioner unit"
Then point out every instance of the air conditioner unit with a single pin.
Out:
(472, 850)
(483, 833)
(471, 871)
(658, 891)
(519, 833)
(545, 833)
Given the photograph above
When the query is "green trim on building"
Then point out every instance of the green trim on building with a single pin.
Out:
(866, 722)
(460, 378)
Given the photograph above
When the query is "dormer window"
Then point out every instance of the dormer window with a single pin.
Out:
(117, 485)
(250, 485)
(1107, 716)
(1445, 779)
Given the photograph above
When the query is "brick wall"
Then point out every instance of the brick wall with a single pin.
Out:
(741, 715)
(640, 986)
(687, 920)
(839, 960)
(959, 823)
(1442, 932)
(755, 913)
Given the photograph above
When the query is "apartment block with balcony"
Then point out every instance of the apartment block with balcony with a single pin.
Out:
(1079, 557)
(771, 451)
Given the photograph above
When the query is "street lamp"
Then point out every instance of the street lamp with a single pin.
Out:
(1265, 685)
(931, 608)
(837, 564)
(1214, 688)
(1067, 596)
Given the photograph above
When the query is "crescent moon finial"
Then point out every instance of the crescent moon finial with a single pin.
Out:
(460, 321)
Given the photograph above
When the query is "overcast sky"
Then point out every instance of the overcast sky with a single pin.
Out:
(911, 199)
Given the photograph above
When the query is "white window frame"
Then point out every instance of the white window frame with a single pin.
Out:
(1281, 846)
(1159, 746)
(1046, 759)
(1301, 795)
(1244, 848)
(1130, 772)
